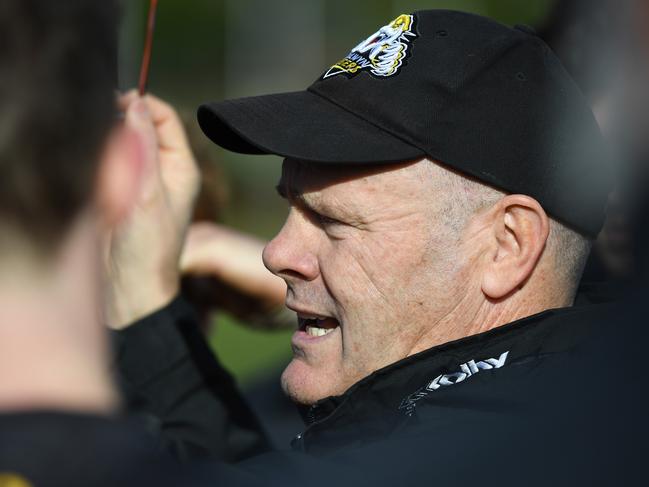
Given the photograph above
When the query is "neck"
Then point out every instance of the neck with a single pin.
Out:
(53, 349)
(476, 314)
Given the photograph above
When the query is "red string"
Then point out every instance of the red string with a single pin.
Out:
(148, 48)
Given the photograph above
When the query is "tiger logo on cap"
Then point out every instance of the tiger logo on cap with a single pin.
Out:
(382, 54)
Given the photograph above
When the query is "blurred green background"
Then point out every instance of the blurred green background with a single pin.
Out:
(215, 49)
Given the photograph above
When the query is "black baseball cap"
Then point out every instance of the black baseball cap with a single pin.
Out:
(487, 100)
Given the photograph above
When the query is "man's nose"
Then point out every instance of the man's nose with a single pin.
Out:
(289, 254)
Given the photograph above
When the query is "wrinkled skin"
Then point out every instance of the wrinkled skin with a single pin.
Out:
(367, 247)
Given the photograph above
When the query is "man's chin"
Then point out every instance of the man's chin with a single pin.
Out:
(304, 385)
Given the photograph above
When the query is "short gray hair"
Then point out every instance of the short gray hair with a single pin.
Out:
(467, 196)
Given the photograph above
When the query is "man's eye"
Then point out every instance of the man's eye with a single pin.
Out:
(325, 220)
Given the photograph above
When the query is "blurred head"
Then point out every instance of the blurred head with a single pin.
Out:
(68, 173)
(57, 119)
(588, 37)
(382, 262)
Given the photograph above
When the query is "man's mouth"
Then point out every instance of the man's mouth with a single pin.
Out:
(317, 326)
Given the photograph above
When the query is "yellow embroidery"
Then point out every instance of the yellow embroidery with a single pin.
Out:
(382, 53)
(13, 480)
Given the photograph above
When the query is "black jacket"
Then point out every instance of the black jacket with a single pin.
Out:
(519, 397)
(71, 449)
(173, 382)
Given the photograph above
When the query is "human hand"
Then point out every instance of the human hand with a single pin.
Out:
(143, 252)
(234, 259)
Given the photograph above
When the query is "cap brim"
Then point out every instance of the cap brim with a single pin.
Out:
(300, 125)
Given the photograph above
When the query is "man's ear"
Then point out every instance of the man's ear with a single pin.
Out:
(520, 229)
(120, 175)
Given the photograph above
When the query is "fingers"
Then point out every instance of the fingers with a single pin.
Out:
(125, 99)
(229, 255)
(199, 249)
(174, 155)
(170, 131)
(234, 258)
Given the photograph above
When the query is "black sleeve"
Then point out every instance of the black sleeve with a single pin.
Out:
(171, 379)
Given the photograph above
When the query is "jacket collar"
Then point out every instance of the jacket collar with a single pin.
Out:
(385, 400)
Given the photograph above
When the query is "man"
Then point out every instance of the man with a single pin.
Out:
(445, 180)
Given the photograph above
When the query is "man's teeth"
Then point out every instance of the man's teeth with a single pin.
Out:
(317, 326)
(314, 331)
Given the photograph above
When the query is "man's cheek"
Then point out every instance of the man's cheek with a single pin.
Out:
(351, 285)
(359, 267)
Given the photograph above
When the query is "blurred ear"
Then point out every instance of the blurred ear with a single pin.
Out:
(519, 229)
(120, 175)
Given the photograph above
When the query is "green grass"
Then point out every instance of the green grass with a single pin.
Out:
(247, 353)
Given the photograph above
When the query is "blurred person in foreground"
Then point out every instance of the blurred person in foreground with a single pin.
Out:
(69, 174)
(594, 41)
(445, 181)
(74, 173)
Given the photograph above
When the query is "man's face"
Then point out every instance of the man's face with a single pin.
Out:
(369, 269)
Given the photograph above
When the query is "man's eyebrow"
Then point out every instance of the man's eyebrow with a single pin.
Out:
(291, 194)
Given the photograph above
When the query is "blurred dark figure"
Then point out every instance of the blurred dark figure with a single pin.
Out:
(592, 39)
(605, 46)
(634, 107)
(587, 35)
(68, 174)
(634, 128)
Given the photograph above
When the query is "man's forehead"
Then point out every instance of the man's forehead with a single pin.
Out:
(299, 177)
